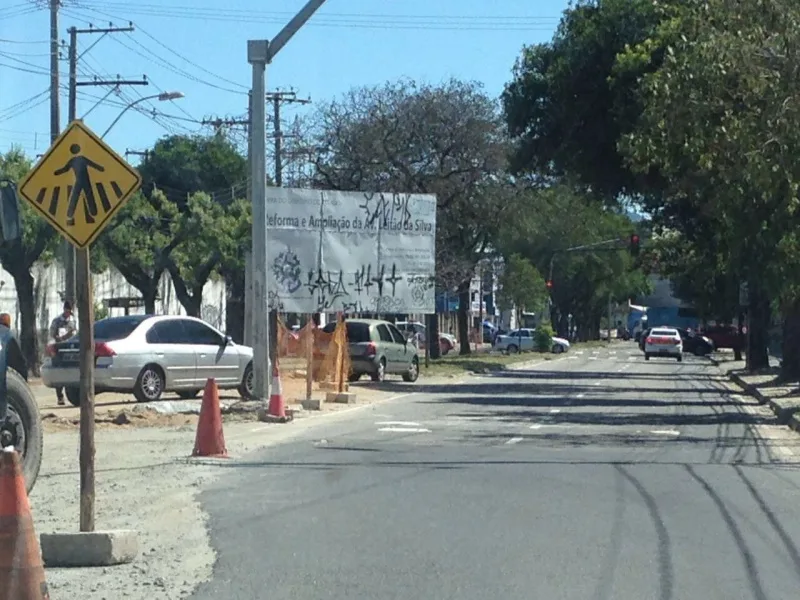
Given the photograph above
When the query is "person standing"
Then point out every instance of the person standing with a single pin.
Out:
(62, 328)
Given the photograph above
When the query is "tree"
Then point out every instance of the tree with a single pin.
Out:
(140, 241)
(38, 242)
(566, 106)
(444, 139)
(521, 285)
(193, 261)
(181, 165)
(720, 120)
(553, 220)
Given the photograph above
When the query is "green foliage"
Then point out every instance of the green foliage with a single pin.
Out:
(181, 165)
(521, 285)
(568, 104)
(100, 311)
(543, 339)
(551, 220)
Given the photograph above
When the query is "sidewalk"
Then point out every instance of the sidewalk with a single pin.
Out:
(782, 397)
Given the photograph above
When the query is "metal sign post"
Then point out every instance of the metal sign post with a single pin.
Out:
(77, 187)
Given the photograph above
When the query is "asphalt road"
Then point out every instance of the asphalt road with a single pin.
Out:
(597, 476)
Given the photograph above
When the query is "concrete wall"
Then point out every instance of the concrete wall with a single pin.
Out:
(49, 284)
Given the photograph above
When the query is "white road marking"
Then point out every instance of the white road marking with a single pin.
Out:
(592, 358)
(514, 440)
(580, 396)
(405, 429)
(598, 383)
(555, 410)
(665, 432)
(399, 423)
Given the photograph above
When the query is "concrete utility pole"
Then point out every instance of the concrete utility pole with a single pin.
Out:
(277, 99)
(69, 249)
(55, 108)
(259, 54)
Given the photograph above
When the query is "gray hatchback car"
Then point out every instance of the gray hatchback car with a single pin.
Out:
(377, 349)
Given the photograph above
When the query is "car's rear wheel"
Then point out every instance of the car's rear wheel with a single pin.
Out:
(380, 371)
(353, 377)
(413, 371)
(188, 394)
(150, 384)
(512, 349)
(248, 383)
(558, 348)
(22, 427)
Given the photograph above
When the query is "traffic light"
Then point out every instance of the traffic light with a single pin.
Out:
(634, 245)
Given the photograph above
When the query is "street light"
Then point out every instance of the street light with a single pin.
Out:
(162, 97)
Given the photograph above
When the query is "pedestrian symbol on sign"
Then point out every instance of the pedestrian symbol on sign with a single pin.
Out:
(79, 184)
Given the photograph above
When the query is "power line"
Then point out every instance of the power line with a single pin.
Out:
(351, 20)
(164, 63)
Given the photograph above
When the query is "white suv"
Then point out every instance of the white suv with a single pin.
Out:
(663, 341)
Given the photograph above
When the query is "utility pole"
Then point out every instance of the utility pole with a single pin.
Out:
(143, 153)
(69, 249)
(79, 283)
(260, 53)
(277, 99)
(55, 111)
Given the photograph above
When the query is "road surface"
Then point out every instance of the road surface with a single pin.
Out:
(597, 476)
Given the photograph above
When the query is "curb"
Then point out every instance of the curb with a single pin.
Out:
(790, 417)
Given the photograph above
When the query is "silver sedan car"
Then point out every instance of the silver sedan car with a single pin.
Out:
(148, 355)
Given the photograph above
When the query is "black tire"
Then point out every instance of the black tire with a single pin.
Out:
(512, 349)
(188, 394)
(353, 377)
(413, 372)
(380, 374)
(24, 424)
(246, 386)
(73, 395)
(558, 348)
(149, 384)
(647, 357)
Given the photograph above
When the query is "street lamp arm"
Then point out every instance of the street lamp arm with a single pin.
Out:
(162, 97)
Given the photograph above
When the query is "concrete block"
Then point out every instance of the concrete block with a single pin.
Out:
(265, 417)
(313, 404)
(92, 549)
(341, 397)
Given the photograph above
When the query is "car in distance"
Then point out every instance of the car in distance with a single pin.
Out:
(696, 343)
(149, 355)
(410, 328)
(377, 348)
(524, 339)
(663, 341)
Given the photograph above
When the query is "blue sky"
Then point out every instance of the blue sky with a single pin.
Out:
(200, 49)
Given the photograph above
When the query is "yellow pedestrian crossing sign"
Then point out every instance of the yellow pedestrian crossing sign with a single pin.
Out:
(79, 184)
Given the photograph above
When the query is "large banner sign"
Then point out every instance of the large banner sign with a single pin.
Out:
(350, 251)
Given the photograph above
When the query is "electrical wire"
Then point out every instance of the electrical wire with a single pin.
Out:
(349, 20)
(18, 10)
(154, 57)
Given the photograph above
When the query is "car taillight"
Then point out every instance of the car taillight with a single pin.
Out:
(372, 349)
(103, 350)
(676, 342)
(50, 350)
(650, 341)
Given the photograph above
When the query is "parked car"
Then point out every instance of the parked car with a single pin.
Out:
(525, 340)
(663, 341)
(377, 349)
(696, 343)
(724, 336)
(149, 355)
(408, 328)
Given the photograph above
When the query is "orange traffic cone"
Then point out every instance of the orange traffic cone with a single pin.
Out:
(210, 440)
(21, 568)
(277, 407)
